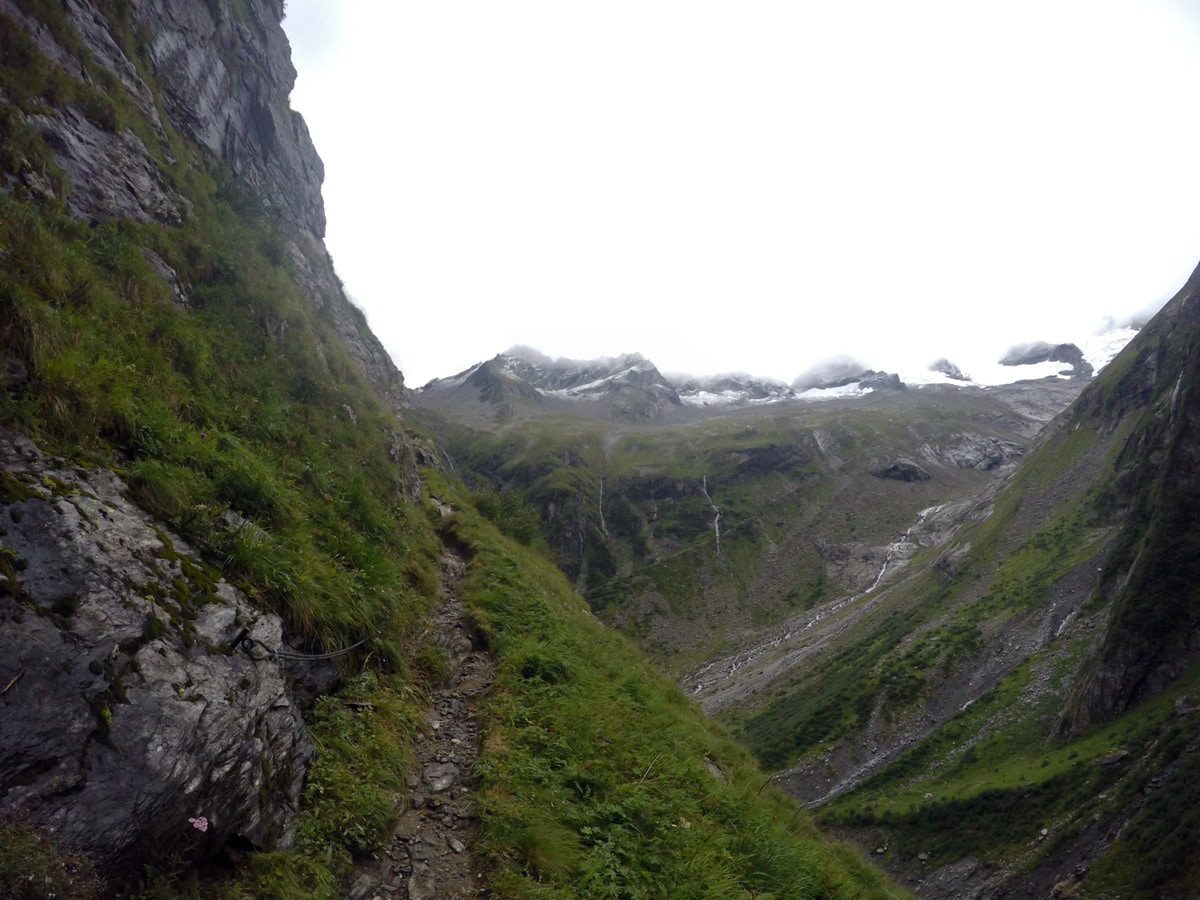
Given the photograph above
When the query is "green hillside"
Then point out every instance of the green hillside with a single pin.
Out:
(1013, 707)
(194, 359)
(1030, 692)
(629, 508)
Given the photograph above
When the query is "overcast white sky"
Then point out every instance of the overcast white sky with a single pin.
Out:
(751, 185)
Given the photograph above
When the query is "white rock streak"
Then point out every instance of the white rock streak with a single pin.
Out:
(716, 512)
(603, 524)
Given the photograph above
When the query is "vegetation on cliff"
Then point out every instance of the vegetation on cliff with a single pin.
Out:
(190, 357)
(1016, 698)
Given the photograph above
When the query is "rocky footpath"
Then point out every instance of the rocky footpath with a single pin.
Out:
(131, 715)
(429, 852)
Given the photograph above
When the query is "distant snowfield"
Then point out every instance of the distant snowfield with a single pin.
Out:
(724, 398)
(855, 389)
(1101, 349)
(1098, 349)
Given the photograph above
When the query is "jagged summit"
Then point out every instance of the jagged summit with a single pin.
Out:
(1068, 354)
(949, 369)
(629, 385)
(636, 388)
(833, 372)
(528, 354)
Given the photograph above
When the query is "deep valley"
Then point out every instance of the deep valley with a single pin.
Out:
(275, 624)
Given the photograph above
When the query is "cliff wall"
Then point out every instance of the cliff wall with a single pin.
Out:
(142, 711)
(196, 85)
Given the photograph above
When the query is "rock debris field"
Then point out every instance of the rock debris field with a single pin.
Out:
(429, 851)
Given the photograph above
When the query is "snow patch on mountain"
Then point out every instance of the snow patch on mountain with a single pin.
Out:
(730, 389)
(632, 375)
(838, 392)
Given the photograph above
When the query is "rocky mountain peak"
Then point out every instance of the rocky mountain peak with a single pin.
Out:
(630, 386)
(731, 389)
(1030, 354)
(949, 369)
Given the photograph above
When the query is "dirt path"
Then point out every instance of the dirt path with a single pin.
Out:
(429, 852)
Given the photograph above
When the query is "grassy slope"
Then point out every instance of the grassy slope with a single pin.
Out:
(597, 775)
(988, 780)
(594, 776)
(933, 625)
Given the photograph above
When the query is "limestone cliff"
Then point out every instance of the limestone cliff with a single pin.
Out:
(221, 74)
(1153, 634)
(128, 710)
(207, 85)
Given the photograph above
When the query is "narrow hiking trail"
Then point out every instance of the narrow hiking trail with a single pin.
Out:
(429, 852)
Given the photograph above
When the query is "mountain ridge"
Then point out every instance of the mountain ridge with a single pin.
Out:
(1077, 614)
(639, 389)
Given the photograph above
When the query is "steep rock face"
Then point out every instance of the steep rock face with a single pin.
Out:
(126, 709)
(111, 173)
(226, 79)
(1153, 632)
(883, 381)
(222, 73)
(225, 74)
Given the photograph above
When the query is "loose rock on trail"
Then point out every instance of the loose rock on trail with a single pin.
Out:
(429, 851)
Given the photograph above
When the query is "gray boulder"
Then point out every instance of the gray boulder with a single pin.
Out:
(132, 724)
(977, 451)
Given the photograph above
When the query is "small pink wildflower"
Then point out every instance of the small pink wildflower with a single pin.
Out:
(200, 823)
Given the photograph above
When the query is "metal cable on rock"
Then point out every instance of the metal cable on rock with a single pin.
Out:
(244, 638)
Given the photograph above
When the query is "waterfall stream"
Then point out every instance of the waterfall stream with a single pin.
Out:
(716, 512)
